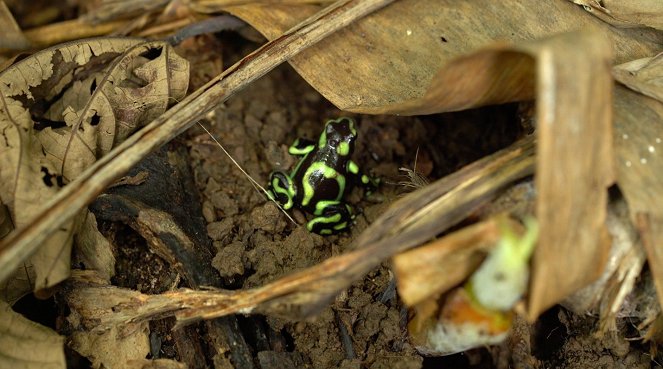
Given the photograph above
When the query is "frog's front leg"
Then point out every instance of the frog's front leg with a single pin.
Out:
(281, 189)
(301, 147)
(370, 184)
(331, 217)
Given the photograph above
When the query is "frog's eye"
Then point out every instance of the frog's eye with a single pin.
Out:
(333, 142)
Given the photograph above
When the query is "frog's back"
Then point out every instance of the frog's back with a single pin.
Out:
(319, 179)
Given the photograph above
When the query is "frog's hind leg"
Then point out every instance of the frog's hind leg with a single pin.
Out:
(281, 189)
(336, 217)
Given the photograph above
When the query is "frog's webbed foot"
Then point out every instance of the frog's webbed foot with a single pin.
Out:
(336, 217)
(281, 189)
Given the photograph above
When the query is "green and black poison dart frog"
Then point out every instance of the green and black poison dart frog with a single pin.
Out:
(323, 176)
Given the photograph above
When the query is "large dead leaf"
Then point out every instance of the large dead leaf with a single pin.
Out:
(64, 107)
(391, 56)
(27, 345)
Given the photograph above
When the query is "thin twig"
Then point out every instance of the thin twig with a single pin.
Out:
(255, 184)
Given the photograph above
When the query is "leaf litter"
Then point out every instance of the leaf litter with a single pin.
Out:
(504, 73)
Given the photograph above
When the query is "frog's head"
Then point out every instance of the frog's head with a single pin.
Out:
(340, 135)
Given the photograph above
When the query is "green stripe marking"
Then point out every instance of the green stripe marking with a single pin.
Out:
(340, 226)
(332, 219)
(353, 167)
(327, 172)
(321, 205)
(343, 148)
(276, 185)
(295, 150)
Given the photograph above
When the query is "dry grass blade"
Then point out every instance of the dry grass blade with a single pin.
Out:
(66, 203)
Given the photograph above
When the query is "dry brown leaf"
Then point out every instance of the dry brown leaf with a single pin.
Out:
(68, 89)
(632, 13)
(638, 141)
(643, 75)
(27, 345)
(20, 284)
(215, 6)
(390, 58)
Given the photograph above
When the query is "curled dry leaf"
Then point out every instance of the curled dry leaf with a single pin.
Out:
(64, 107)
(389, 59)
(619, 13)
(105, 10)
(575, 132)
(28, 345)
